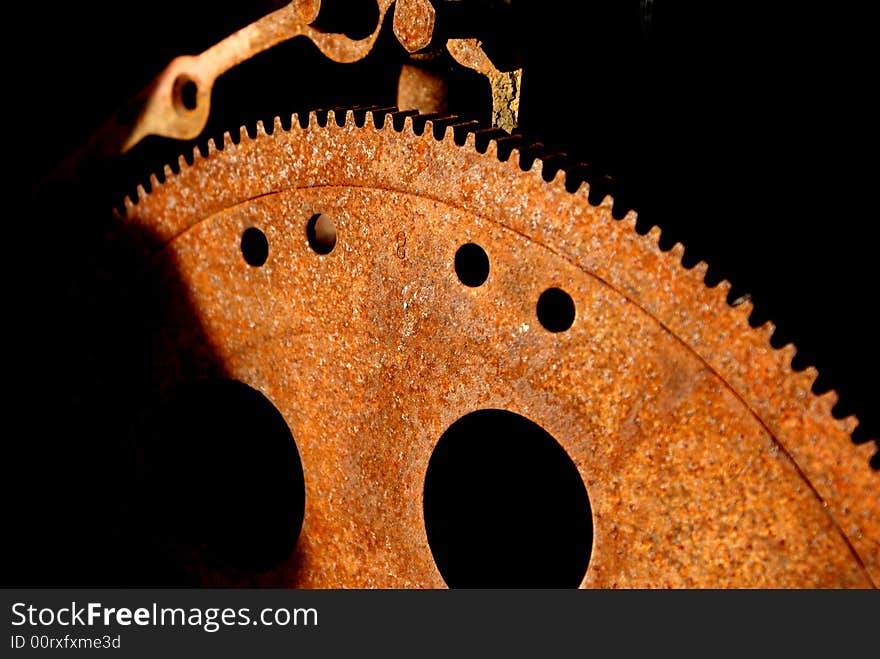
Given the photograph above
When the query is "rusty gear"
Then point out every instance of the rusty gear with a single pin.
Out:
(707, 459)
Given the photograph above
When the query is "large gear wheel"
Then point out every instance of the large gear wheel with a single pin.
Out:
(319, 259)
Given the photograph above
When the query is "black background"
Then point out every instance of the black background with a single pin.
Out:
(744, 131)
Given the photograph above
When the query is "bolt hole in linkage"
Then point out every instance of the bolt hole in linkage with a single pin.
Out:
(321, 233)
(472, 265)
(185, 94)
(254, 247)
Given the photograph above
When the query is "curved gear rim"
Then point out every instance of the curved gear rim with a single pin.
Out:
(770, 391)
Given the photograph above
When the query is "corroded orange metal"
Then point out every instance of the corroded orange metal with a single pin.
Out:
(708, 461)
(177, 103)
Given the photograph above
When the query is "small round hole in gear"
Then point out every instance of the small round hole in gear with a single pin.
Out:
(321, 233)
(555, 310)
(472, 265)
(254, 247)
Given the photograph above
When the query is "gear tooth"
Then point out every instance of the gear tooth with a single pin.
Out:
(584, 190)
(167, 172)
(809, 375)
(850, 423)
(401, 118)
(828, 400)
(723, 286)
(700, 269)
(154, 181)
(242, 134)
(435, 128)
(462, 130)
(788, 352)
(653, 235)
(513, 158)
(768, 329)
(678, 251)
(492, 149)
(746, 308)
(128, 204)
(619, 209)
(358, 116)
(556, 177)
(261, 128)
(440, 131)
(276, 125)
(140, 194)
(631, 218)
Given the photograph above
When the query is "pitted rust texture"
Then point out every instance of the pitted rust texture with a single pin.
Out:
(707, 460)
(413, 23)
(177, 103)
(160, 108)
(505, 85)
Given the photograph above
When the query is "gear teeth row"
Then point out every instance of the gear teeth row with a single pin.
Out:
(556, 168)
(807, 377)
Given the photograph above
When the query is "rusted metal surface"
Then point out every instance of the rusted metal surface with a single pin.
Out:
(708, 461)
(421, 87)
(505, 85)
(163, 112)
(414, 23)
(177, 103)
